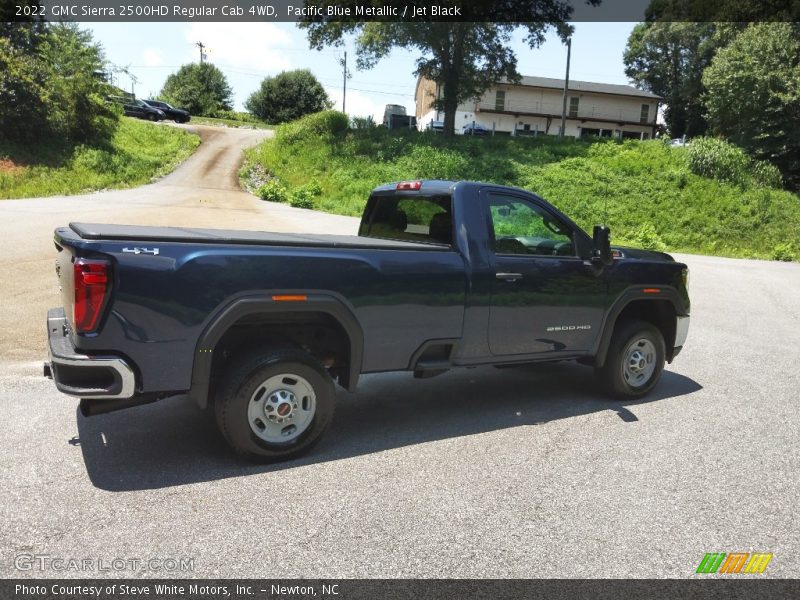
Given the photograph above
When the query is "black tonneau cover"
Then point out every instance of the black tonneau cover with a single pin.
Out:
(138, 233)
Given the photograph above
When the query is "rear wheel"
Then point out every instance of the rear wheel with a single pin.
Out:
(635, 360)
(275, 405)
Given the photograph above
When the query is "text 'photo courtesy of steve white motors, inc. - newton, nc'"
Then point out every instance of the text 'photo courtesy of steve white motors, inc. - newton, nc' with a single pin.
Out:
(99, 589)
(281, 11)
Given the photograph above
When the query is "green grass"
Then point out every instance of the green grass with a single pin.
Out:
(645, 191)
(137, 153)
(254, 124)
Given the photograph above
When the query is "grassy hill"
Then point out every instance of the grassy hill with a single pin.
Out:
(647, 192)
(137, 153)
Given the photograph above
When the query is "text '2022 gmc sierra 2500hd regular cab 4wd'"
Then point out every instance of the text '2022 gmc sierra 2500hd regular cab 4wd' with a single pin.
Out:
(258, 326)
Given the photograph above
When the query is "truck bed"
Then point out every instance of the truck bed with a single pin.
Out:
(137, 233)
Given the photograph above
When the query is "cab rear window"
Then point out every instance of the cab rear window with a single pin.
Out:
(413, 218)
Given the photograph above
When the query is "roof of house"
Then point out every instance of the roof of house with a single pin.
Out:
(588, 86)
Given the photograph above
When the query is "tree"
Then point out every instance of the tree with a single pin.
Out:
(288, 96)
(76, 89)
(753, 94)
(22, 94)
(668, 59)
(22, 31)
(50, 86)
(202, 89)
(464, 58)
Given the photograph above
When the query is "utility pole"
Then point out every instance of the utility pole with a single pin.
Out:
(134, 81)
(566, 87)
(345, 77)
(202, 47)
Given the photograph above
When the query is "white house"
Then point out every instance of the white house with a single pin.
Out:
(534, 105)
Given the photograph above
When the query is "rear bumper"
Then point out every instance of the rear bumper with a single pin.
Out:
(81, 375)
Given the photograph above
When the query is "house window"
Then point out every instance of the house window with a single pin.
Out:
(500, 100)
(645, 116)
(573, 106)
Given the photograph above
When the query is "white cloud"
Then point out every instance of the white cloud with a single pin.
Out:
(152, 57)
(255, 46)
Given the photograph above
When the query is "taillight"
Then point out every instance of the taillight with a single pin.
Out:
(92, 279)
(409, 185)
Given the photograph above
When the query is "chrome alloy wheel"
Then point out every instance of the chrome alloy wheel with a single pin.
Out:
(281, 408)
(639, 363)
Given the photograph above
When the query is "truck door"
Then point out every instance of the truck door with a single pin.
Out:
(544, 298)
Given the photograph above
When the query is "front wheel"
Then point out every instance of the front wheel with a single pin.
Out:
(275, 405)
(635, 360)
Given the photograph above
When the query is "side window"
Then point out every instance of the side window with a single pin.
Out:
(500, 100)
(645, 114)
(524, 228)
(573, 106)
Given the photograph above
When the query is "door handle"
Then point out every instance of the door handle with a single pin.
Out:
(509, 276)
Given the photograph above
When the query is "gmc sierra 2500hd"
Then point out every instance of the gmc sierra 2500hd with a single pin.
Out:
(258, 326)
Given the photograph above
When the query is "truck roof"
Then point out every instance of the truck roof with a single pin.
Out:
(437, 186)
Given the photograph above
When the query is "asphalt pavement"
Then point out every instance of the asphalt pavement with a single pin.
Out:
(524, 472)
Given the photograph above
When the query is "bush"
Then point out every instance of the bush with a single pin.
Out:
(273, 191)
(720, 160)
(328, 123)
(288, 96)
(363, 122)
(647, 237)
(202, 89)
(233, 115)
(303, 197)
(786, 252)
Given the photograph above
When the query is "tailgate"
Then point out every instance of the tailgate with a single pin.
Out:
(66, 284)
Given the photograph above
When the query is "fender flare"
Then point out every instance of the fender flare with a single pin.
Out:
(261, 303)
(633, 294)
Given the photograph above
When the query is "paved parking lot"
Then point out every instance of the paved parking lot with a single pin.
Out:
(522, 472)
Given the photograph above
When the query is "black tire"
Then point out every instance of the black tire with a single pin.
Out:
(622, 383)
(246, 377)
(151, 117)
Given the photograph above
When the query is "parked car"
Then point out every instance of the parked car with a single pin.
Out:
(133, 107)
(680, 142)
(178, 115)
(259, 327)
(475, 129)
(436, 126)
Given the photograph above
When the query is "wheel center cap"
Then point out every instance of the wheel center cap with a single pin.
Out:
(284, 408)
(641, 363)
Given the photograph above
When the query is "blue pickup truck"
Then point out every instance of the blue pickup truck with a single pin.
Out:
(259, 327)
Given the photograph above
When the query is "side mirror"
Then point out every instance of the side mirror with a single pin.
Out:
(601, 239)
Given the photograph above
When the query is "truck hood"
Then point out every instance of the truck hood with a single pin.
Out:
(642, 254)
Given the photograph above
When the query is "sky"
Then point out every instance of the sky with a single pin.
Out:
(248, 52)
